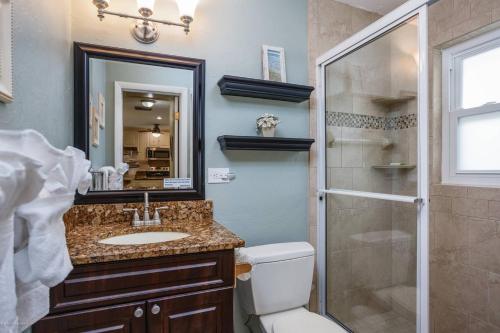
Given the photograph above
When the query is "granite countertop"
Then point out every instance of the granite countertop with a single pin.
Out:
(205, 236)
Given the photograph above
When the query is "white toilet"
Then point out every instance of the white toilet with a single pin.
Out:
(278, 287)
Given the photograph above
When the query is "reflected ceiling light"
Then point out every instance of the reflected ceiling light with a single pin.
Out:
(145, 29)
(156, 131)
(159, 118)
(148, 103)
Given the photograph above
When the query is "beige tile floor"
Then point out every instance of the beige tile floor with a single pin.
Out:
(387, 322)
(393, 311)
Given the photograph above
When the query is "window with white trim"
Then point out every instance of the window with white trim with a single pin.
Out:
(471, 112)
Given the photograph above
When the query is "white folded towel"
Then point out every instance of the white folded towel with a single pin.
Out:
(41, 258)
(20, 182)
(107, 172)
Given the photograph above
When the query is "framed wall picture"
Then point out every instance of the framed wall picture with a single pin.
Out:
(91, 111)
(6, 93)
(95, 127)
(273, 63)
(102, 111)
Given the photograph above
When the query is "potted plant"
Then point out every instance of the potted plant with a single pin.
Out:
(266, 124)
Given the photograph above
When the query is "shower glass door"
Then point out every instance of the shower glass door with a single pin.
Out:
(374, 179)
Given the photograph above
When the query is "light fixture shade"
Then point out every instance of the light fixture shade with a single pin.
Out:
(149, 4)
(148, 103)
(187, 7)
(156, 131)
(101, 4)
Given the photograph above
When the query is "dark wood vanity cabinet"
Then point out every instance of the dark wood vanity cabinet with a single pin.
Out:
(202, 312)
(112, 319)
(176, 294)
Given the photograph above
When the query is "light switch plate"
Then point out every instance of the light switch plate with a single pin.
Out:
(218, 175)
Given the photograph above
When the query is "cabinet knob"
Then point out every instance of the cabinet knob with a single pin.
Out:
(138, 312)
(155, 309)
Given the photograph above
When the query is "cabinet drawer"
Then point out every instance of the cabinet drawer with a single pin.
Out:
(209, 311)
(113, 319)
(124, 281)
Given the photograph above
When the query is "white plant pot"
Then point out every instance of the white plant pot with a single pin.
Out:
(268, 132)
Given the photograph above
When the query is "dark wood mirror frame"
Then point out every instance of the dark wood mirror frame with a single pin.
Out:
(82, 54)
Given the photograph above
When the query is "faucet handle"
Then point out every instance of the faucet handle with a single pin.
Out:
(137, 221)
(156, 217)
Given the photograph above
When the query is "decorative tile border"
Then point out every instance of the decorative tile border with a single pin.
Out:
(401, 122)
(353, 120)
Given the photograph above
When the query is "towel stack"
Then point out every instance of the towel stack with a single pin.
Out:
(37, 186)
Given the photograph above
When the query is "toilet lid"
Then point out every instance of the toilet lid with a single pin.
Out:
(306, 322)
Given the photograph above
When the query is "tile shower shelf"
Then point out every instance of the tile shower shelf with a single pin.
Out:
(391, 101)
(246, 87)
(394, 167)
(233, 142)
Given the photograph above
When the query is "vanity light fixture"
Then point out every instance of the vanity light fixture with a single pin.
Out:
(145, 28)
(148, 103)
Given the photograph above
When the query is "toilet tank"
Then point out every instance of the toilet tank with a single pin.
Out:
(280, 278)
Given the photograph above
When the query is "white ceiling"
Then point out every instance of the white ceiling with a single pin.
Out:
(377, 6)
(143, 118)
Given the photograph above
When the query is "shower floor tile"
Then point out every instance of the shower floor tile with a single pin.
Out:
(387, 322)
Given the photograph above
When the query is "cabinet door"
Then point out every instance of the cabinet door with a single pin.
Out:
(164, 140)
(130, 138)
(143, 144)
(153, 142)
(126, 318)
(209, 311)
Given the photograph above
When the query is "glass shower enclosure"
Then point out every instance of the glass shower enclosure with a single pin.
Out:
(372, 194)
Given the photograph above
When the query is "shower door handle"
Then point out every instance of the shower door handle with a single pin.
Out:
(372, 195)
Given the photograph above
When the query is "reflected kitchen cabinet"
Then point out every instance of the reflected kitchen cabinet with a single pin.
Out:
(163, 141)
(143, 144)
(130, 138)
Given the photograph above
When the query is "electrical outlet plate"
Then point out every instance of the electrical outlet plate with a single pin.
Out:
(218, 175)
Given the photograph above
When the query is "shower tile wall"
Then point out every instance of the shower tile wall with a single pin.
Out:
(330, 22)
(371, 244)
(464, 220)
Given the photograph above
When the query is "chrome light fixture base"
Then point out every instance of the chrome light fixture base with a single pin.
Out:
(145, 32)
(101, 6)
(145, 29)
(187, 21)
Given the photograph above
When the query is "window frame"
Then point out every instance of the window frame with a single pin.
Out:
(452, 78)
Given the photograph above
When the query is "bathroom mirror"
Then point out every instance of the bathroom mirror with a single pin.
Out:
(139, 118)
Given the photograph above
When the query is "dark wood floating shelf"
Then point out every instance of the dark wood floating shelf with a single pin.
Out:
(247, 87)
(233, 142)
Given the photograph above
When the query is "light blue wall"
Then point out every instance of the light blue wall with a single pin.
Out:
(268, 200)
(43, 78)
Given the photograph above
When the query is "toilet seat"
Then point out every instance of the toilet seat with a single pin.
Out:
(298, 321)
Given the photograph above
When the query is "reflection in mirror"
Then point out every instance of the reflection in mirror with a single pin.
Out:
(140, 126)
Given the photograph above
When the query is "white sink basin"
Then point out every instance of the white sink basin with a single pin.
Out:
(144, 238)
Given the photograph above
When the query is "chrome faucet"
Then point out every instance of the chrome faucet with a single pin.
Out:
(147, 220)
(137, 222)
